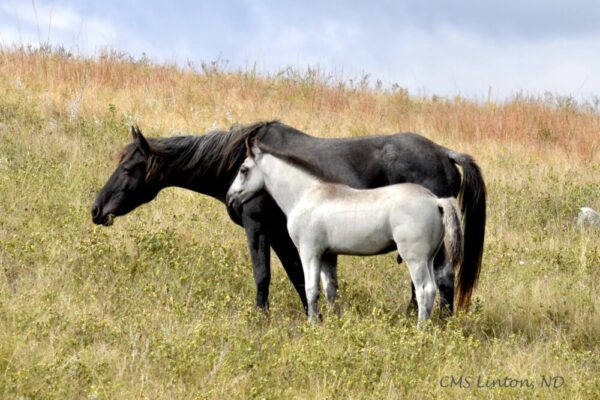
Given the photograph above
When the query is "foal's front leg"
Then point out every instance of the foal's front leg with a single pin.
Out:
(311, 265)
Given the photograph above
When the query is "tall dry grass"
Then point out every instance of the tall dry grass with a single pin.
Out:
(166, 97)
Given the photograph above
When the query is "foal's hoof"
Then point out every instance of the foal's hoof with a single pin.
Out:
(315, 319)
(423, 324)
(411, 310)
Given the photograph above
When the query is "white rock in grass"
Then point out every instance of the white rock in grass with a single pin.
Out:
(588, 217)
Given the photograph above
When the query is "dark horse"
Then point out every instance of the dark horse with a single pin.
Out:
(208, 164)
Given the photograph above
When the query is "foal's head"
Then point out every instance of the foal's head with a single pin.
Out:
(249, 179)
(129, 186)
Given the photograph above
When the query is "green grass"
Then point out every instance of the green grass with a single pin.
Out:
(161, 305)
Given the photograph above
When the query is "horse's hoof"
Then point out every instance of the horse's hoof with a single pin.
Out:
(445, 312)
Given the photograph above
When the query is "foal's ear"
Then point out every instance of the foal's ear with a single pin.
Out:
(249, 152)
(140, 140)
(255, 147)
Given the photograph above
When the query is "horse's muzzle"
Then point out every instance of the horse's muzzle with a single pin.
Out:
(99, 219)
(95, 213)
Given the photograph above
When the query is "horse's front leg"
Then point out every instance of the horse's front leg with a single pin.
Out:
(311, 264)
(258, 244)
(286, 250)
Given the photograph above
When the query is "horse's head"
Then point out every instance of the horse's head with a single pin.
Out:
(129, 186)
(248, 181)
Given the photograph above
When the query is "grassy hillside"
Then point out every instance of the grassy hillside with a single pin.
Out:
(161, 305)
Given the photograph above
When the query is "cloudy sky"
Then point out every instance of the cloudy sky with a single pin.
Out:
(444, 47)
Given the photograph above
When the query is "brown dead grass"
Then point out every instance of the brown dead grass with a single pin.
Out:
(167, 98)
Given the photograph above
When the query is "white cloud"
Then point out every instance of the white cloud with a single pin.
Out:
(449, 61)
(56, 24)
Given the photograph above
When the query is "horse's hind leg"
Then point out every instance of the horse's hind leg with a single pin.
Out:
(412, 307)
(444, 279)
(330, 281)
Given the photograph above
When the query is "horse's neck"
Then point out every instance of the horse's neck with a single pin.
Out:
(286, 183)
(204, 179)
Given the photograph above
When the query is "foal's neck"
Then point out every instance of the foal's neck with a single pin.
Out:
(286, 183)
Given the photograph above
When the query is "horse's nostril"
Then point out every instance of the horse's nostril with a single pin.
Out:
(95, 211)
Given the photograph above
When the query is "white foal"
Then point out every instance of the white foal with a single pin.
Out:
(326, 219)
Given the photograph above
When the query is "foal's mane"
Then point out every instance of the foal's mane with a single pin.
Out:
(215, 151)
(292, 159)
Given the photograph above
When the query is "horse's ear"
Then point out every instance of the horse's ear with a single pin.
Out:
(140, 140)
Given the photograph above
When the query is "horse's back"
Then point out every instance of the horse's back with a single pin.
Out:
(372, 161)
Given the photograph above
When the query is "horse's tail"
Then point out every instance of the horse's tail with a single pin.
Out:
(472, 199)
(453, 235)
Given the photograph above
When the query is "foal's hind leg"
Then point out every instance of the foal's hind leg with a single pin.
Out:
(329, 280)
(444, 279)
(412, 308)
(425, 290)
(419, 259)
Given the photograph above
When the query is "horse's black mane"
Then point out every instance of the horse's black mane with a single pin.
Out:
(214, 151)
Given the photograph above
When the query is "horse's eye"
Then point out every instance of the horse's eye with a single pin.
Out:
(244, 170)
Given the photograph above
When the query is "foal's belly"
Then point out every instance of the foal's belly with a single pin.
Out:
(357, 235)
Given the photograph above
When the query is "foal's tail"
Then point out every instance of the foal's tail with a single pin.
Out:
(453, 233)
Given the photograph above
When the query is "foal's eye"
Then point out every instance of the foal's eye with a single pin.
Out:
(244, 170)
